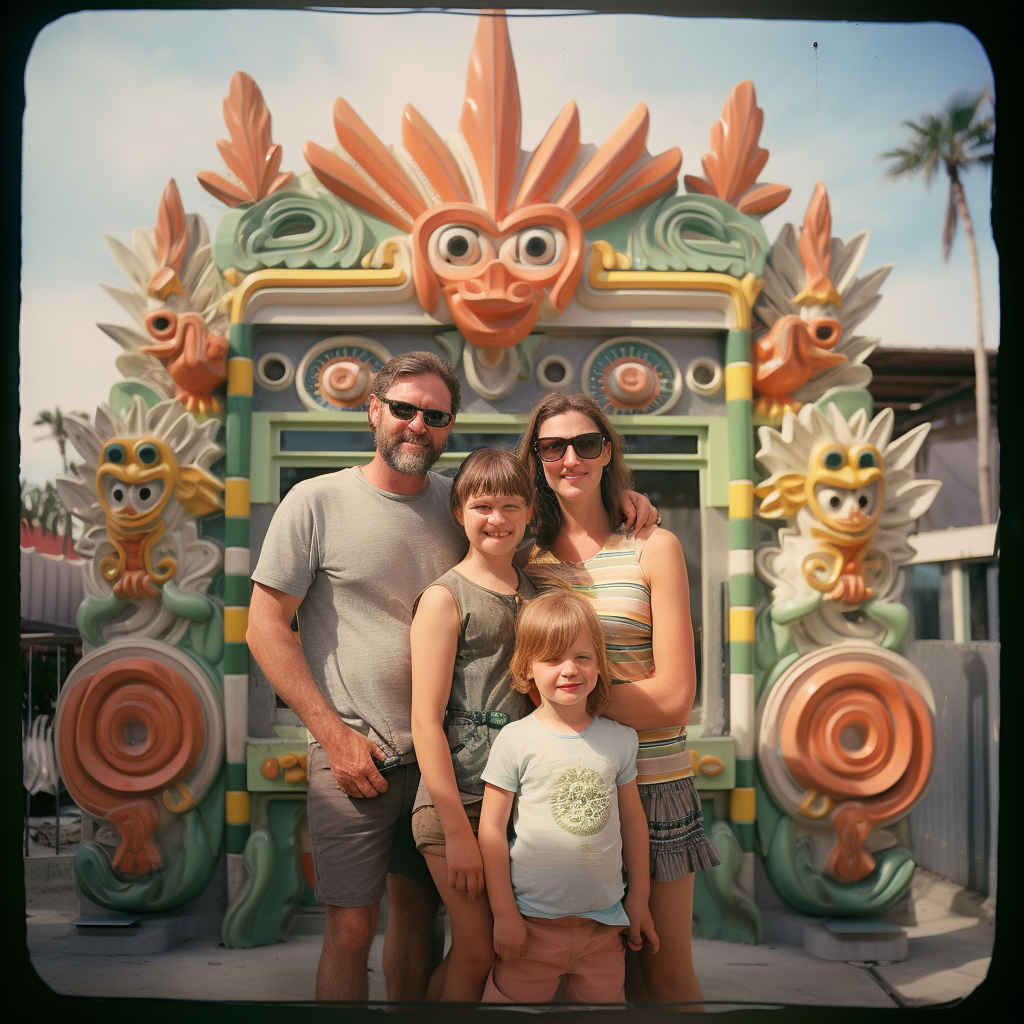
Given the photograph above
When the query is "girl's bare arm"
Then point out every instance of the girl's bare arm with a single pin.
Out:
(509, 926)
(435, 640)
(636, 858)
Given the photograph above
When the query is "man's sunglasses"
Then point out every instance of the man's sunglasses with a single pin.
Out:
(407, 411)
(586, 446)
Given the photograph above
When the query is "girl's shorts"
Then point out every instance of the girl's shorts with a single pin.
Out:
(679, 845)
(426, 825)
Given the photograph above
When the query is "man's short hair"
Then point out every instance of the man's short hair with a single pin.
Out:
(416, 364)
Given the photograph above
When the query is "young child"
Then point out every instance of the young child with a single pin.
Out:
(558, 906)
(463, 635)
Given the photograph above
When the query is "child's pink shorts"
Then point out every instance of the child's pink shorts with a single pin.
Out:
(591, 955)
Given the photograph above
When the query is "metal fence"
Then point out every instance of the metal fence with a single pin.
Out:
(953, 831)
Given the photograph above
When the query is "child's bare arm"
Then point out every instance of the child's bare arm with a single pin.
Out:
(435, 639)
(636, 857)
(509, 926)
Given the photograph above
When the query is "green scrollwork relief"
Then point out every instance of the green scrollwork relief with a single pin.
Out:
(262, 913)
(698, 233)
(721, 909)
(291, 228)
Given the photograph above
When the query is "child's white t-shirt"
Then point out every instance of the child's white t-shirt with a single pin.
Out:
(566, 858)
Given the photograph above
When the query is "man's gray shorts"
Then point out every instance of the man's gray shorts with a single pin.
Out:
(357, 842)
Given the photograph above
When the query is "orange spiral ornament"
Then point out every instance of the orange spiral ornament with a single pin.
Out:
(128, 731)
(853, 732)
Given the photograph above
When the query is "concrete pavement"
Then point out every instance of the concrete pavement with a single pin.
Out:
(950, 932)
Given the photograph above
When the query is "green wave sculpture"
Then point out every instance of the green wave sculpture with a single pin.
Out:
(187, 870)
(698, 233)
(291, 228)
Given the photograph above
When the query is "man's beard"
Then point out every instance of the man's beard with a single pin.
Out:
(410, 463)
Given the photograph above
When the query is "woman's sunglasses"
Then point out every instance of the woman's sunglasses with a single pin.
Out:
(586, 446)
(407, 411)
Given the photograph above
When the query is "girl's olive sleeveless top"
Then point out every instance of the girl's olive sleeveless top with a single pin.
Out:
(483, 697)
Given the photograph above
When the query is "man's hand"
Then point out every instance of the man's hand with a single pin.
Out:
(465, 865)
(638, 511)
(351, 757)
(509, 935)
(641, 931)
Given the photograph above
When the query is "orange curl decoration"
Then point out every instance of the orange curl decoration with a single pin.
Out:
(865, 739)
(129, 731)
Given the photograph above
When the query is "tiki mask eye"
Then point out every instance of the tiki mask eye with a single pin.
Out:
(116, 493)
(148, 453)
(459, 246)
(537, 247)
(145, 496)
(867, 498)
(831, 500)
(867, 460)
(115, 453)
(833, 459)
(161, 324)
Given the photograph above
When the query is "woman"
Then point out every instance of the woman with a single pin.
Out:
(637, 582)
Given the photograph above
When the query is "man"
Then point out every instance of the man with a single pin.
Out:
(354, 549)
(358, 546)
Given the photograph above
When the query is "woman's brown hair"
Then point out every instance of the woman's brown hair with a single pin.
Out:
(548, 625)
(617, 476)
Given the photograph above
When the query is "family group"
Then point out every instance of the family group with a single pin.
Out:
(494, 722)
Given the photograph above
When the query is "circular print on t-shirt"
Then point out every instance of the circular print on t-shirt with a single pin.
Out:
(581, 801)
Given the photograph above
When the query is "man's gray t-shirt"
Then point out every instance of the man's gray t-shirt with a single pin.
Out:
(359, 556)
(566, 858)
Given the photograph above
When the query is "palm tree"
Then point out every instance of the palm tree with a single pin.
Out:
(959, 139)
(55, 422)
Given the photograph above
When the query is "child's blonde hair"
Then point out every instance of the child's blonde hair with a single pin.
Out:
(550, 623)
(490, 471)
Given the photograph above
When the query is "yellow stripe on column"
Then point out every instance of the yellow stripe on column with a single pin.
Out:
(236, 496)
(739, 381)
(741, 499)
(743, 804)
(239, 376)
(236, 621)
(237, 808)
(741, 624)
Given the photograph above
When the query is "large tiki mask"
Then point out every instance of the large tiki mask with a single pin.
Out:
(504, 246)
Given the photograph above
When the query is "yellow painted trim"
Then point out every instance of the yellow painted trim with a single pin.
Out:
(741, 624)
(741, 499)
(237, 807)
(240, 376)
(742, 292)
(236, 621)
(236, 496)
(743, 804)
(739, 381)
(390, 278)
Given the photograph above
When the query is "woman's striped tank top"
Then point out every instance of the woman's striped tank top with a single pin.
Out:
(615, 584)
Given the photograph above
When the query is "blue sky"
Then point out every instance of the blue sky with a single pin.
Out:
(117, 102)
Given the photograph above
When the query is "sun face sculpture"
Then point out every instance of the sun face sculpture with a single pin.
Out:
(498, 233)
(851, 499)
(141, 481)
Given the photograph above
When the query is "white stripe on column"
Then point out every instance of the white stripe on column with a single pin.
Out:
(236, 714)
(741, 563)
(236, 561)
(741, 712)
